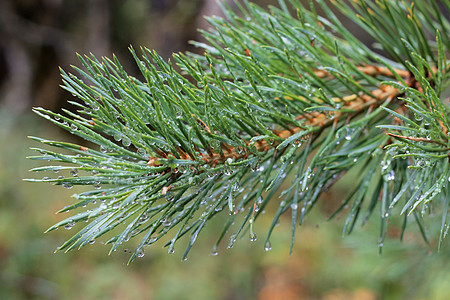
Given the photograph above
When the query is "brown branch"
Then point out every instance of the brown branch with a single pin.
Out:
(371, 70)
(417, 139)
(378, 71)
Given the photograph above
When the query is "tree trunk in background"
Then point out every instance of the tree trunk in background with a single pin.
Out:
(98, 39)
(16, 89)
(209, 8)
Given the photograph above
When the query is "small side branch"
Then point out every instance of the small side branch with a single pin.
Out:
(417, 139)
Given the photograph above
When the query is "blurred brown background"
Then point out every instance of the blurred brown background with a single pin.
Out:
(37, 36)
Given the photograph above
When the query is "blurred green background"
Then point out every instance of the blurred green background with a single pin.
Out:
(38, 36)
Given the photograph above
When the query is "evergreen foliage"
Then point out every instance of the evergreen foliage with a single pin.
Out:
(277, 99)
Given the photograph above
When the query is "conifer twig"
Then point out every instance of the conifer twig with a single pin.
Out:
(174, 152)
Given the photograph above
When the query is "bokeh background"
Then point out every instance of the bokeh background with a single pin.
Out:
(37, 36)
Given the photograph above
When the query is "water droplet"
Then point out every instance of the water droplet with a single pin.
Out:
(166, 222)
(74, 172)
(267, 246)
(418, 117)
(232, 212)
(170, 197)
(126, 141)
(385, 165)
(69, 225)
(232, 241)
(117, 137)
(214, 251)
(142, 152)
(255, 166)
(141, 253)
(92, 242)
(67, 185)
(73, 127)
(97, 185)
(390, 176)
(48, 178)
(348, 134)
(253, 237)
(227, 171)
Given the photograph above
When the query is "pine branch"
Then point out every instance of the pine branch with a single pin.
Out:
(275, 99)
